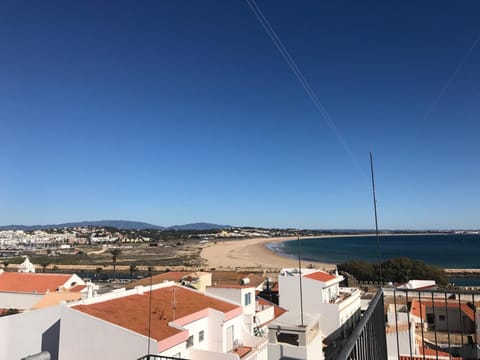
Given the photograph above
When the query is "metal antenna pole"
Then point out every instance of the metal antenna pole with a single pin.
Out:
(376, 221)
(149, 313)
(300, 277)
(174, 304)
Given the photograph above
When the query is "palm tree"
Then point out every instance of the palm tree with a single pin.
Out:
(133, 270)
(150, 270)
(98, 270)
(115, 254)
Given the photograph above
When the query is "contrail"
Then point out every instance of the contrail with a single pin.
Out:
(301, 78)
(450, 79)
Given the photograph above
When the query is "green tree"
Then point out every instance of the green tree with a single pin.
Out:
(397, 270)
(115, 254)
(150, 270)
(5, 265)
(98, 270)
(133, 270)
(44, 265)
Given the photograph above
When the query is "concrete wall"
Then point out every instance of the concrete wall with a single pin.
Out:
(236, 295)
(404, 341)
(333, 315)
(21, 301)
(30, 333)
(67, 334)
(86, 337)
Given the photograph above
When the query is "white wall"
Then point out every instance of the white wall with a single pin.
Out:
(236, 295)
(404, 342)
(21, 334)
(74, 279)
(193, 329)
(21, 301)
(209, 355)
(86, 337)
(333, 315)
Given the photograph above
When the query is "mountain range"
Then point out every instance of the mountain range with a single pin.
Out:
(119, 224)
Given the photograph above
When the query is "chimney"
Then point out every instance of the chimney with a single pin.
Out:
(139, 289)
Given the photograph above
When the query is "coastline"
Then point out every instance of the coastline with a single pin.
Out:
(253, 253)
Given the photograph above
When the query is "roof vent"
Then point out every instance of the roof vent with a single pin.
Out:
(244, 281)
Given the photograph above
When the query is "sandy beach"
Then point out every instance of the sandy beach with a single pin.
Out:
(252, 253)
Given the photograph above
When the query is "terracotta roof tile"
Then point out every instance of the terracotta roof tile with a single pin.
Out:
(416, 309)
(234, 277)
(277, 310)
(29, 283)
(320, 276)
(160, 278)
(77, 288)
(131, 312)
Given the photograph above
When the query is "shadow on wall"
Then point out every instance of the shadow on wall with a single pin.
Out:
(51, 340)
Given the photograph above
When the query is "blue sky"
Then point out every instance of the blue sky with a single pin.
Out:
(181, 111)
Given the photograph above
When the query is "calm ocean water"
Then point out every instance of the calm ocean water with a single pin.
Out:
(447, 251)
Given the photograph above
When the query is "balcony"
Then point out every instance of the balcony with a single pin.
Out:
(409, 324)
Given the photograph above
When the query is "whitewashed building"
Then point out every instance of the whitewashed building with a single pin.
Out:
(25, 290)
(295, 336)
(338, 307)
(26, 266)
(170, 320)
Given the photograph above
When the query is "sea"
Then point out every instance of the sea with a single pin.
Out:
(449, 251)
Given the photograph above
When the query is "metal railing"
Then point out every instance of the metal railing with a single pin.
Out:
(368, 339)
(159, 357)
(432, 324)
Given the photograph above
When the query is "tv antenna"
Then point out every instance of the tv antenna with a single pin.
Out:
(376, 221)
(300, 278)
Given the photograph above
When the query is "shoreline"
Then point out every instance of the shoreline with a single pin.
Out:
(254, 253)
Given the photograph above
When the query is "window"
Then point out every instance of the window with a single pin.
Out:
(201, 336)
(248, 299)
(288, 338)
(441, 317)
(190, 341)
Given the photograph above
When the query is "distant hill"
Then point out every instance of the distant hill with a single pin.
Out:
(119, 224)
(198, 226)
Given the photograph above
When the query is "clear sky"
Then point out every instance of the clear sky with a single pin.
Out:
(182, 111)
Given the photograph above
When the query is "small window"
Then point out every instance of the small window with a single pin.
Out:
(287, 338)
(248, 299)
(190, 341)
(441, 317)
(201, 336)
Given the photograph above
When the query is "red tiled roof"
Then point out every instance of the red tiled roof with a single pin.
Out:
(320, 276)
(160, 278)
(131, 312)
(77, 288)
(30, 283)
(415, 309)
(231, 286)
(433, 354)
(277, 310)
(220, 278)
